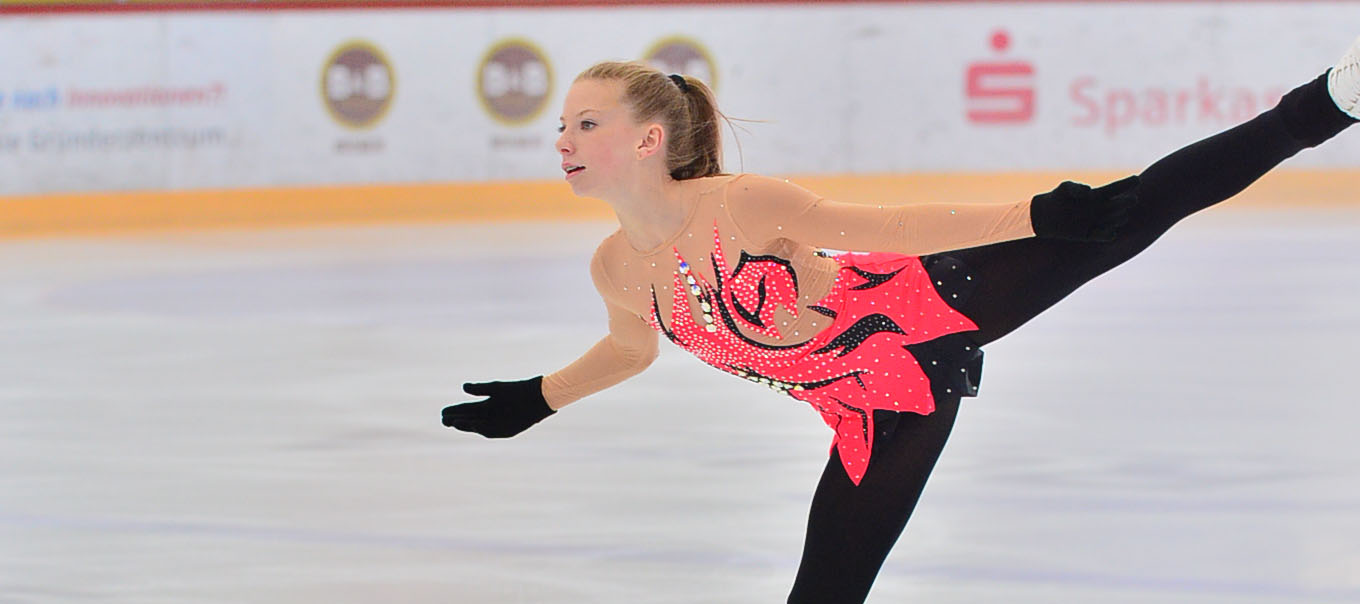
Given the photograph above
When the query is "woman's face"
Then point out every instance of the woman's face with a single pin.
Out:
(600, 139)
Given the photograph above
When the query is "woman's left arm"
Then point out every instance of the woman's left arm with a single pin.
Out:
(766, 208)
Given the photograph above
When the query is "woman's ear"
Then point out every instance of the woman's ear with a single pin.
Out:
(653, 141)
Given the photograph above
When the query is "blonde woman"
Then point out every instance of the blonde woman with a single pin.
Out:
(731, 267)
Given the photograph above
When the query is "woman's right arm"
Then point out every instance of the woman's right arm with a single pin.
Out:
(630, 347)
(512, 407)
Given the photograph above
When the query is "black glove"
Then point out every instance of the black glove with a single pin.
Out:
(1076, 212)
(512, 408)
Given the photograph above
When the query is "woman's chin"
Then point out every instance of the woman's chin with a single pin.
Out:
(580, 189)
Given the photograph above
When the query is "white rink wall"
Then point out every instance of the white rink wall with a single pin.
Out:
(197, 100)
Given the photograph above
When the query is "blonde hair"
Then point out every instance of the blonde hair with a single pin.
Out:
(684, 105)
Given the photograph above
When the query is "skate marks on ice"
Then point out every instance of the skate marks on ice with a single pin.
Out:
(225, 417)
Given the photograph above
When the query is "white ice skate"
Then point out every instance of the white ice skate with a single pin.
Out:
(1343, 83)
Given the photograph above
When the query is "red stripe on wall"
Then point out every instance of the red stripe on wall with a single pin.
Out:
(308, 5)
(114, 6)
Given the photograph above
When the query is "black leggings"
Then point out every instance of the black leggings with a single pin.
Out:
(852, 528)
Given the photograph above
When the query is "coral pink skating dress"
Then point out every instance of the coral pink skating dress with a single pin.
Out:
(747, 287)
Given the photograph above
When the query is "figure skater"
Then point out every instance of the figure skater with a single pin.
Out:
(883, 344)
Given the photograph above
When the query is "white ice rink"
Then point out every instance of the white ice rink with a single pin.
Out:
(234, 417)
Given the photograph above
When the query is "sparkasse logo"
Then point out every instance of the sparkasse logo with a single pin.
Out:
(1000, 91)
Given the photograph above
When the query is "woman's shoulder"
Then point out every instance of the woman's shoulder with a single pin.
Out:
(744, 182)
(609, 251)
(609, 246)
(761, 190)
(708, 185)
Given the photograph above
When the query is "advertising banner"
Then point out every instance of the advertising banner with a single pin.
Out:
(210, 100)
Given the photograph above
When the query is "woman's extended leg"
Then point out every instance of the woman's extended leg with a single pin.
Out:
(1019, 279)
(852, 528)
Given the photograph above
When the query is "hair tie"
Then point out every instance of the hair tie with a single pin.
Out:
(680, 81)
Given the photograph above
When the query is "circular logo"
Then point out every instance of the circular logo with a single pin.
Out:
(682, 55)
(358, 84)
(514, 81)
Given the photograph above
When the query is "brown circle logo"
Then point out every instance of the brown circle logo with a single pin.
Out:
(678, 54)
(357, 84)
(514, 81)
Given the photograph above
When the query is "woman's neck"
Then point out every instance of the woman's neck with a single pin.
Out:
(652, 211)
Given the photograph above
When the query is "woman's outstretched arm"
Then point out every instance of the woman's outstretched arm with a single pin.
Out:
(767, 208)
(628, 349)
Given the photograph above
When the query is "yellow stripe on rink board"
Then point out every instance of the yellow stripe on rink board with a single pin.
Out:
(123, 212)
(103, 213)
(1281, 188)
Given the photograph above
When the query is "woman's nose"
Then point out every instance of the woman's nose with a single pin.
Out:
(563, 145)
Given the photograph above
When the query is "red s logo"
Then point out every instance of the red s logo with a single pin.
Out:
(1000, 93)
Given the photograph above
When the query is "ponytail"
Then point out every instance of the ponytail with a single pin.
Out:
(685, 106)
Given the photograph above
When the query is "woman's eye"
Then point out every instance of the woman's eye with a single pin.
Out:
(587, 125)
(561, 128)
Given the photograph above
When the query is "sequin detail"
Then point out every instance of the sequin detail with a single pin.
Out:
(880, 304)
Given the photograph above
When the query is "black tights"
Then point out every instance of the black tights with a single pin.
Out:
(852, 528)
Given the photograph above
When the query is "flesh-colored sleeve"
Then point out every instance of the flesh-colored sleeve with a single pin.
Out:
(630, 347)
(766, 209)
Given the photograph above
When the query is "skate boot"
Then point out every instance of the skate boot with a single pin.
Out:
(1343, 82)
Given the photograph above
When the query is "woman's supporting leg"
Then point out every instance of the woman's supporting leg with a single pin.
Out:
(1019, 279)
(852, 528)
